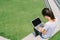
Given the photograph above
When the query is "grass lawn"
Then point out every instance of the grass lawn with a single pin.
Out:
(56, 36)
(16, 17)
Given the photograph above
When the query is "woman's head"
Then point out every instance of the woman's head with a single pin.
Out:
(48, 14)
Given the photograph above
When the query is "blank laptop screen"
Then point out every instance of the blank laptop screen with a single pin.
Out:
(36, 22)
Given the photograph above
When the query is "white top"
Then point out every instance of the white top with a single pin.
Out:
(49, 27)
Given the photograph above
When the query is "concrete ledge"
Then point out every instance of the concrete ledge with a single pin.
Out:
(3, 38)
(32, 37)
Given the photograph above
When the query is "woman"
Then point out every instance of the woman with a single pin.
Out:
(49, 27)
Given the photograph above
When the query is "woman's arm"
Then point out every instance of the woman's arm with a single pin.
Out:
(42, 30)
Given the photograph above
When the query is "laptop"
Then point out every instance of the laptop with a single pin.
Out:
(37, 23)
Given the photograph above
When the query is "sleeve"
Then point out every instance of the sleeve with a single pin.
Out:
(46, 26)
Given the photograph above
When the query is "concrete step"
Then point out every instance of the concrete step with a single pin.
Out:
(32, 37)
(3, 38)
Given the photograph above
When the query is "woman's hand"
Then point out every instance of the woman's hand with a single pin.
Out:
(40, 29)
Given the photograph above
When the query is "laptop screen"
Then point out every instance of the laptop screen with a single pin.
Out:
(36, 22)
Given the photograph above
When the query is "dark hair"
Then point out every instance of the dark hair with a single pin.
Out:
(47, 12)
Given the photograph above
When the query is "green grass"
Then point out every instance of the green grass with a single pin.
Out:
(56, 36)
(16, 17)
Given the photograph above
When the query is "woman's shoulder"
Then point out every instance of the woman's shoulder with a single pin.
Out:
(47, 23)
(52, 23)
